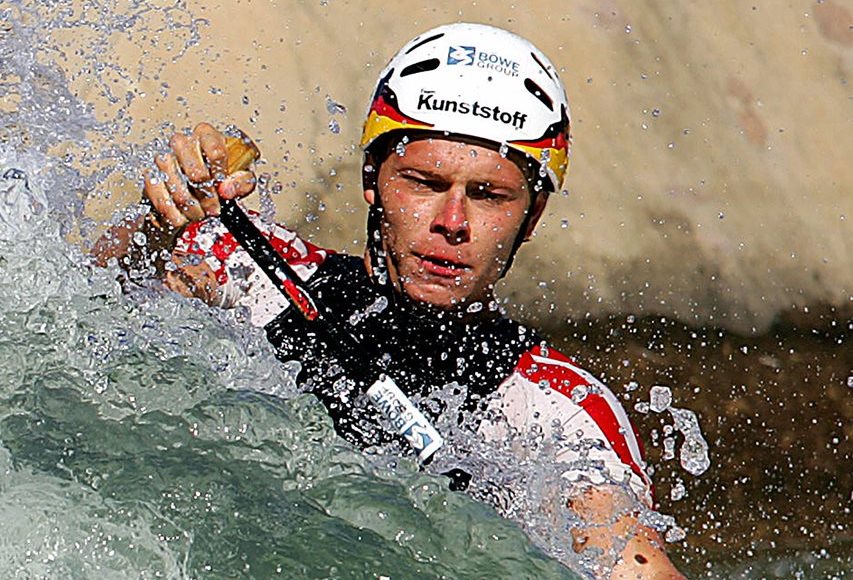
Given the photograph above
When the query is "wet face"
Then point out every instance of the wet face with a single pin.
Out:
(452, 213)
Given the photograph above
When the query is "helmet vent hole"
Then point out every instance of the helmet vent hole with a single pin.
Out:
(424, 41)
(544, 68)
(537, 92)
(419, 67)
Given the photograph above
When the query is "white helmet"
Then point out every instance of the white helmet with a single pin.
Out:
(476, 81)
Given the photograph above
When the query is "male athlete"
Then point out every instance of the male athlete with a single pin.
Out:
(467, 133)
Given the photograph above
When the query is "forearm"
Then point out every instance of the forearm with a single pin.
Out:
(623, 547)
(644, 557)
(140, 244)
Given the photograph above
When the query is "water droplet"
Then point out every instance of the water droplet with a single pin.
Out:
(334, 127)
(333, 107)
(503, 150)
(668, 449)
(660, 398)
(400, 149)
(678, 491)
(564, 223)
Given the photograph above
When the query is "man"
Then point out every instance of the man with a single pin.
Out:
(467, 134)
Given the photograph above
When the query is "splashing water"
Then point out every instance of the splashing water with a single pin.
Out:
(660, 398)
(694, 451)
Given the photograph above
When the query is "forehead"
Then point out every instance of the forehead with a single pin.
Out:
(454, 158)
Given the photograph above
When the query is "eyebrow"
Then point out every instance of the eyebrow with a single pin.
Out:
(430, 175)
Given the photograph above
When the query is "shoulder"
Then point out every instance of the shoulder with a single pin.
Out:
(550, 389)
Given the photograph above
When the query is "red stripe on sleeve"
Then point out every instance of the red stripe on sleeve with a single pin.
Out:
(564, 380)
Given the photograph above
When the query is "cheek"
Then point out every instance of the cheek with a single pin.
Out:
(406, 214)
(496, 232)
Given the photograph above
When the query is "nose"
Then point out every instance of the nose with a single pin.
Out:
(451, 219)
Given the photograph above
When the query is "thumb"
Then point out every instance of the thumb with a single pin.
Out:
(238, 184)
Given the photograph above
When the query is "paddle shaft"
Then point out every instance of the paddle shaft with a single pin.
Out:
(241, 152)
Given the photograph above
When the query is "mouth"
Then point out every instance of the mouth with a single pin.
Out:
(442, 266)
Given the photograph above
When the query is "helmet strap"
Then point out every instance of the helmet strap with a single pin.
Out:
(375, 249)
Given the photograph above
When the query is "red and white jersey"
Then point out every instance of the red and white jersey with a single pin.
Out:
(240, 281)
(598, 443)
(546, 389)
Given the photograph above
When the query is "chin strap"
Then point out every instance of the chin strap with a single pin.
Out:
(375, 251)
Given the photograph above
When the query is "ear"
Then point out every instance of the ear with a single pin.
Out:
(370, 196)
(370, 178)
(536, 211)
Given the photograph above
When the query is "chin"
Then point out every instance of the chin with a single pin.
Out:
(439, 297)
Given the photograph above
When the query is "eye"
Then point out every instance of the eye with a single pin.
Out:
(420, 183)
(485, 192)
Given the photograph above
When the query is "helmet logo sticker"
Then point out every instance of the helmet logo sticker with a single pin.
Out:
(427, 101)
(458, 54)
(463, 55)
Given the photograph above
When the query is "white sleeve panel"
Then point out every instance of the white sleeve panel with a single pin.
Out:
(241, 281)
(580, 442)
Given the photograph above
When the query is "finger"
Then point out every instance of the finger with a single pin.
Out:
(157, 193)
(183, 199)
(187, 150)
(212, 144)
(193, 164)
(238, 184)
